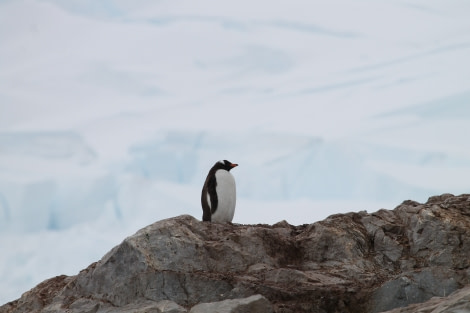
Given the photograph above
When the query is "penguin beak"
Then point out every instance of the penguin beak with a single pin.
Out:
(233, 165)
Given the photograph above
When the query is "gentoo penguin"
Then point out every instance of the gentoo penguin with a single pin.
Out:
(219, 193)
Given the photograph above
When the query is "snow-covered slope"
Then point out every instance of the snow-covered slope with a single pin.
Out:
(112, 112)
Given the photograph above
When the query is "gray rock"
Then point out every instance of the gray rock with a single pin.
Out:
(458, 302)
(253, 304)
(354, 262)
(164, 306)
(414, 287)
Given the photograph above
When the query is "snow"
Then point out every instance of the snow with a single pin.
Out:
(112, 112)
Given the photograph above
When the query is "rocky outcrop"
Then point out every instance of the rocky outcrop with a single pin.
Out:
(458, 302)
(355, 262)
(256, 303)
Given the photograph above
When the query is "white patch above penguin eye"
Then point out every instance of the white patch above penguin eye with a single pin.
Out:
(221, 162)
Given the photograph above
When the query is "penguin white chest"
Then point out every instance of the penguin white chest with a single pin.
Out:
(226, 195)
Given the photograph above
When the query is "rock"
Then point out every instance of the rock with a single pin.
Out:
(354, 262)
(458, 302)
(39, 297)
(409, 288)
(253, 304)
(89, 306)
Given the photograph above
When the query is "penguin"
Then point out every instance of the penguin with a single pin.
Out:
(218, 195)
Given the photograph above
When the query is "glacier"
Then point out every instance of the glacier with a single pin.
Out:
(111, 114)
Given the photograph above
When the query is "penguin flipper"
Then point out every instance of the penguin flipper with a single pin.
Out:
(206, 215)
(211, 189)
(206, 208)
(209, 200)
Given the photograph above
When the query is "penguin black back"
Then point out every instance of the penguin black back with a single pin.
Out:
(209, 197)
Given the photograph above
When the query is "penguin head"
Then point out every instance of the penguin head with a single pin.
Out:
(226, 165)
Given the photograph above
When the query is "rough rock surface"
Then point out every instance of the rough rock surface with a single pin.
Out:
(256, 303)
(458, 302)
(355, 262)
